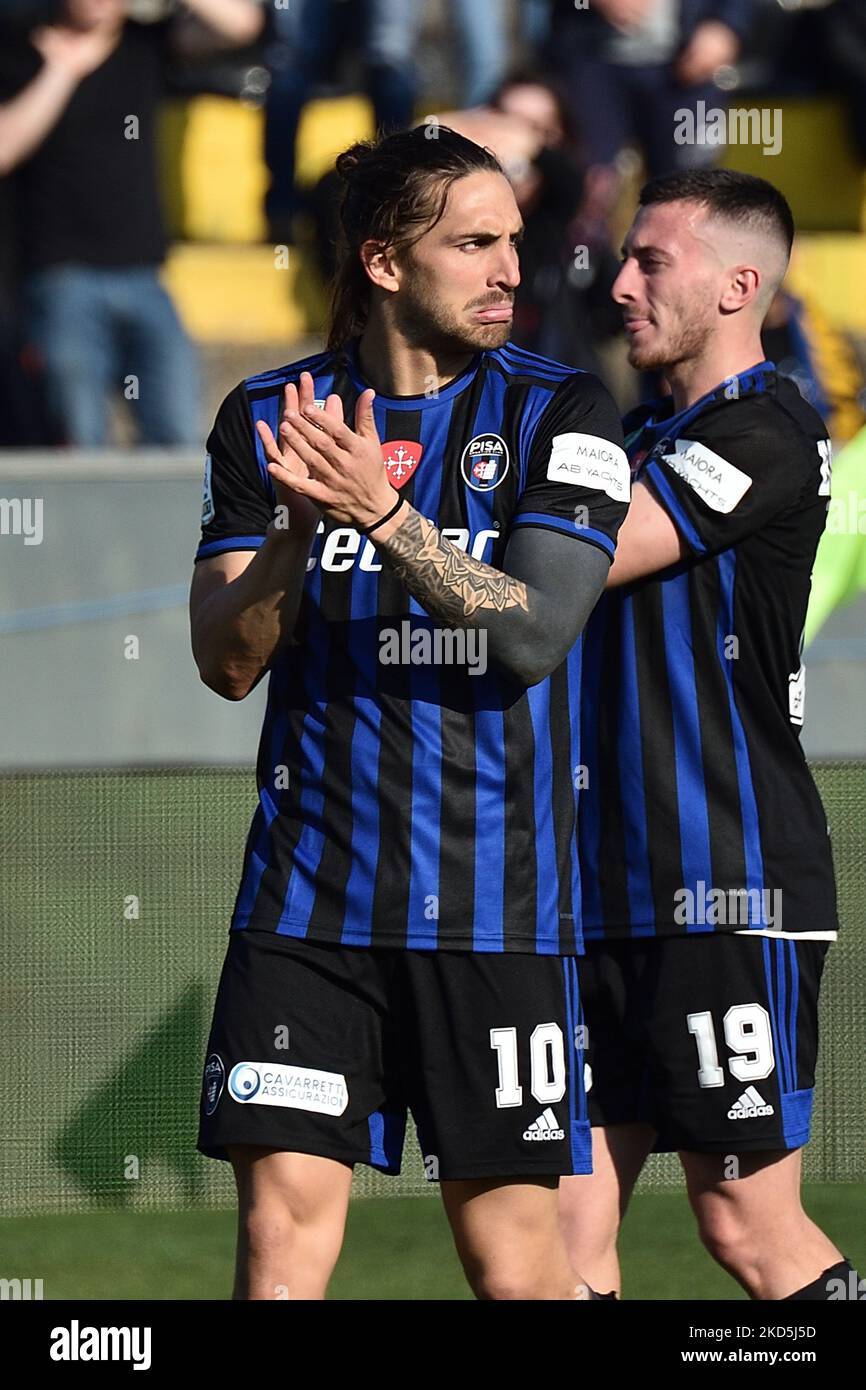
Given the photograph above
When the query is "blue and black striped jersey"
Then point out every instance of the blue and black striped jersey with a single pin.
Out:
(700, 813)
(421, 805)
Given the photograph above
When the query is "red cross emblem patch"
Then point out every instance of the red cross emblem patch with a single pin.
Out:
(401, 457)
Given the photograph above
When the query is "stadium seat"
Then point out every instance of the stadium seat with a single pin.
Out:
(229, 284)
(817, 167)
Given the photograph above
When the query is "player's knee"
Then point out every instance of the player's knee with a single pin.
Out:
(287, 1254)
(589, 1229)
(270, 1230)
(726, 1235)
(501, 1280)
(500, 1286)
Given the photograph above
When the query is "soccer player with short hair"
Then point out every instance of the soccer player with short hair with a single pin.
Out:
(708, 889)
(408, 914)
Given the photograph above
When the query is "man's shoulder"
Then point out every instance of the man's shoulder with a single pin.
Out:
(562, 389)
(519, 359)
(760, 428)
(272, 382)
(518, 362)
(801, 414)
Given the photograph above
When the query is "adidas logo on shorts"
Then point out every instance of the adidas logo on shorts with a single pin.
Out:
(545, 1127)
(750, 1105)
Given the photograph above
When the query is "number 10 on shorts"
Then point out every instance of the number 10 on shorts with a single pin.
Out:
(547, 1065)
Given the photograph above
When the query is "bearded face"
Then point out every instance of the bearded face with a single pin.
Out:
(458, 281)
(668, 287)
(429, 316)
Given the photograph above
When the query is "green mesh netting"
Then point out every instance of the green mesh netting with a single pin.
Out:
(117, 888)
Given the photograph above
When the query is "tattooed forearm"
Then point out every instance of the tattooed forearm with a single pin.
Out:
(450, 585)
(530, 616)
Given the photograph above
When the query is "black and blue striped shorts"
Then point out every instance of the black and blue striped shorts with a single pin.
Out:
(712, 1039)
(325, 1049)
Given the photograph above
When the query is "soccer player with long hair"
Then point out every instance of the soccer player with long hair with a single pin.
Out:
(407, 532)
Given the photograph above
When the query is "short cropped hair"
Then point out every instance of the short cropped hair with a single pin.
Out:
(740, 198)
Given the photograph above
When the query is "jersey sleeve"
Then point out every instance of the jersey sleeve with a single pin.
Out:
(238, 502)
(577, 478)
(730, 479)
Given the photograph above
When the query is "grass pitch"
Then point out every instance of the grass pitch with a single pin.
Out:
(396, 1248)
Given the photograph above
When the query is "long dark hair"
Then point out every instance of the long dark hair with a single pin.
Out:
(396, 190)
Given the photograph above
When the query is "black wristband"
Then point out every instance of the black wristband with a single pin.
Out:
(365, 530)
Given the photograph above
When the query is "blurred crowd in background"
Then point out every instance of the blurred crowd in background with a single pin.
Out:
(576, 100)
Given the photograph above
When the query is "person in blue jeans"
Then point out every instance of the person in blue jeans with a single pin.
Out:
(480, 32)
(98, 331)
(308, 38)
(631, 64)
(78, 107)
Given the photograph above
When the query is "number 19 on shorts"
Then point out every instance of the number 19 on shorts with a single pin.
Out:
(748, 1035)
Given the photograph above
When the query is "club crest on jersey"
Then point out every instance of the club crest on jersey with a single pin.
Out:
(214, 1080)
(485, 462)
(401, 457)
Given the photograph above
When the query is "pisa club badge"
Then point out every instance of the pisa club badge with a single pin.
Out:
(214, 1080)
(485, 462)
(401, 458)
